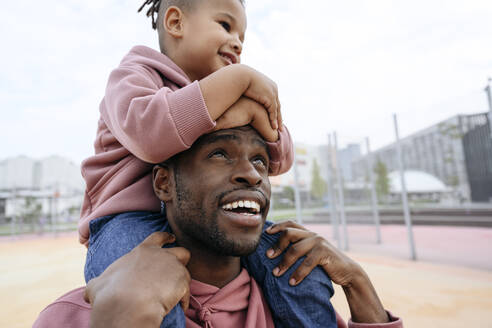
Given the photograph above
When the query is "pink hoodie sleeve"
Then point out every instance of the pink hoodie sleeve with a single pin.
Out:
(68, 311)
(395, 322)
(151, 121)
(281, 153)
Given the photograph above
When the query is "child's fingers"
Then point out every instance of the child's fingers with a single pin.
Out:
(232, 119)
(279, 116)
(272, 114)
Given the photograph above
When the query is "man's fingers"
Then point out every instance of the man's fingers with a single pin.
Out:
(281, 226)
(295, 252)
(288, 236)
(308, 264)
(87, 298)
(185, 301)
(89, 288)
(181, 253)
(159, 238)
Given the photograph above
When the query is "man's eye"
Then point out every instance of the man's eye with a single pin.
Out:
(260, 161)
(217, 154)
(226, 26)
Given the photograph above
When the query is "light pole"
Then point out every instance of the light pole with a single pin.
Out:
(488, 91)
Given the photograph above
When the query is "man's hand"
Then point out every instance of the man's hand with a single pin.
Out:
(141, 287)
(246, 111)
(364, 303)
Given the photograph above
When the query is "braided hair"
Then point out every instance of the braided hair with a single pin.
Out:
(153, 10)
(156, 5)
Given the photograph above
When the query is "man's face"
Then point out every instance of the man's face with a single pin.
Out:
(222, 192)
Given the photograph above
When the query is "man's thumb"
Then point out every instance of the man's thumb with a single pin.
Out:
(159, 238)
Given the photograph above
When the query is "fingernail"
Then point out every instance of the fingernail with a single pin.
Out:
(270, 252)
(292, 281)
(276, 271)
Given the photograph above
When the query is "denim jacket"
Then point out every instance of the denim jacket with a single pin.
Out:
(305, 305)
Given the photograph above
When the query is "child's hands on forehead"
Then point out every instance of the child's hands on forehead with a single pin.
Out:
(223, 89)
(246, 111)
(264, 91)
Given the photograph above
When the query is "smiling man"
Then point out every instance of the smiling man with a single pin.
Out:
(217, 198)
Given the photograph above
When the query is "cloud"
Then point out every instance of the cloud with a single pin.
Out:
(349, 65)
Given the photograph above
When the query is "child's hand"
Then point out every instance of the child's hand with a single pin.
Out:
(265, 91)
(246, 111)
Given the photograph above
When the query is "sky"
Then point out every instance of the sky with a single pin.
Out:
(343, 66)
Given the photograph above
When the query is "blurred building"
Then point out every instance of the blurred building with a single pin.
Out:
(53, 182)
(345, 157)
(458, 151)
(419, 186)
(306, 156)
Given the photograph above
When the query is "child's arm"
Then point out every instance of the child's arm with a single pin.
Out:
(224, 87)
(154, 123)
(150, 120)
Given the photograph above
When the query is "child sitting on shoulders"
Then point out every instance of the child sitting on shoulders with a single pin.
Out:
(156, 105)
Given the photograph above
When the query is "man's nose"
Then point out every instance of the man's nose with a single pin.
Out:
(246, 174)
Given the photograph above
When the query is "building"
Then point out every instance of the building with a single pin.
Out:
(345, 157)
(457, 151)
(477, 144)
(306, 156)
(54, 183)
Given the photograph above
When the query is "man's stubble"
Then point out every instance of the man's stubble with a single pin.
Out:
(203, 227)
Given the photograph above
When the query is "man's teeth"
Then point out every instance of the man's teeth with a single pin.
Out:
(242, 204)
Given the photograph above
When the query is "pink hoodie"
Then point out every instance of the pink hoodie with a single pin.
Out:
(71, 311)
(150, 112)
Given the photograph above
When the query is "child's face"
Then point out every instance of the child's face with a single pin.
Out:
(213, 37)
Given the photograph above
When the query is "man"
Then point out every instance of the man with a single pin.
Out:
(217, 197)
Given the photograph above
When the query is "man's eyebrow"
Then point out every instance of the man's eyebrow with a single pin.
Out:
(261, 142)
(219, 137)
(210, 139)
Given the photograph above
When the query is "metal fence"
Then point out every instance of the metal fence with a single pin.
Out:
(382, 185)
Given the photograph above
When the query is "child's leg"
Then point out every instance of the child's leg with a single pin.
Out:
(305, 305)
(114, 236)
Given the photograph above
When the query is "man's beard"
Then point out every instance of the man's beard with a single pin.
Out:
(194, 222)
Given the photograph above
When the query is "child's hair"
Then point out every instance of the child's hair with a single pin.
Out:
(158, 8)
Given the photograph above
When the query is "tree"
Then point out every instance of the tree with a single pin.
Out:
(31, 211)
(288, 193)
(318, 185)
(382, 180)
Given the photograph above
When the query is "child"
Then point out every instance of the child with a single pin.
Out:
(152, 110)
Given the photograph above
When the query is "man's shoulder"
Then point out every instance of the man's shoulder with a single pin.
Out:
(70, 310)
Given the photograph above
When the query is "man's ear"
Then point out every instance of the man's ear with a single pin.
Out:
(173, 22)
(163, 182)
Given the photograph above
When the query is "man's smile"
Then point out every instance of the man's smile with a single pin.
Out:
(243, 207)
